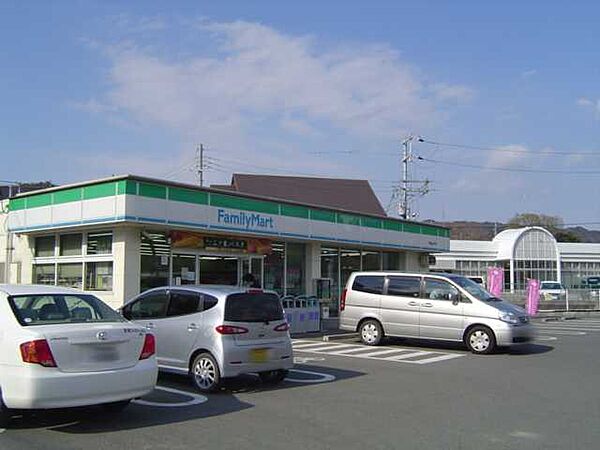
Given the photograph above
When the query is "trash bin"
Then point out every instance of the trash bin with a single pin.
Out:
(289, 311)
(314, 314)
(302, 312)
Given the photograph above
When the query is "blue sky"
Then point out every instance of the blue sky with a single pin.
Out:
(94, 88)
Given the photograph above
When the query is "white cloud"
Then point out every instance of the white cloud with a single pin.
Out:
(445, 92)
(588, 103)
(528, 73)
(583, 101)
(508, 156)
(258, 73)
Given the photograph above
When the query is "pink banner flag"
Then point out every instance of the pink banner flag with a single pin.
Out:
(533, 297)
(495, 281)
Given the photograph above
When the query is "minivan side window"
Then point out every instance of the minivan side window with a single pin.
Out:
(182, 303)
(440, 290)
(368, 283)
(404, 286)
(150, 306)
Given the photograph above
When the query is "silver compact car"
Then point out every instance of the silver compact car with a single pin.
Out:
(215, 332)
(430, 306)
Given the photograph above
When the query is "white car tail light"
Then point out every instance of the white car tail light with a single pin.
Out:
(149, 348)
(37, 352)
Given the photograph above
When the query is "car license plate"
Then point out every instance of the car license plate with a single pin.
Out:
(259, 355)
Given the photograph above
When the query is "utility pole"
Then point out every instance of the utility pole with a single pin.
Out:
(410, 188)
(200, 164)
(406, 157)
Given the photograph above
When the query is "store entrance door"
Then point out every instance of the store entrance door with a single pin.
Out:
(218, 270)
(184, 269)
(215, 269)
(254, 266)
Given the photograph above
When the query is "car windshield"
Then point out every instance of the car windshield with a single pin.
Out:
(551, 285)
(47, 309)
(475, 289)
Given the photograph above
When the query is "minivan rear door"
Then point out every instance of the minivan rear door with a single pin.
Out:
(260, 313)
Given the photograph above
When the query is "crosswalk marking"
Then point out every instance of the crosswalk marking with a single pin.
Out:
(351, 350)
(390, 354)
(406, 356)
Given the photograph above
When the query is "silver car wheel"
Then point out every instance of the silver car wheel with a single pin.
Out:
(205, 373)
(479, 341)
(369, 333)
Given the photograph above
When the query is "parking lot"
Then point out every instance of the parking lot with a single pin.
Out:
(404, 394)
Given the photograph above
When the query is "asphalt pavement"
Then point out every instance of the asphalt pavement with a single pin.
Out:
(542, 395)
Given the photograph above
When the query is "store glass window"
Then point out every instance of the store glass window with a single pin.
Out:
(219, 270)
(273, 268)
(44, 246)
(371, 260)
(391, 261)
(155, 249)
(349, 262)
(99, 276)
(99, 243)
(70, 275)
(295, 269)
(70, 244)
(43, 274)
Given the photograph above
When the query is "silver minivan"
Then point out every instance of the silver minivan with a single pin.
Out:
(430, 306)
(214, 332)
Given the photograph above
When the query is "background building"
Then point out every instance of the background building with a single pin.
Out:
(523, 253)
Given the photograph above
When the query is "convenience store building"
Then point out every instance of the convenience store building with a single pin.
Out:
(118, 236)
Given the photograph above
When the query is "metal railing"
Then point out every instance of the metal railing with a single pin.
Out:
(573, 300)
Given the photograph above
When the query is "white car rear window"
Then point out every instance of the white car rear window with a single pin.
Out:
(46, 309)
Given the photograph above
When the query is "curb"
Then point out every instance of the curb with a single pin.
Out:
(333, 337)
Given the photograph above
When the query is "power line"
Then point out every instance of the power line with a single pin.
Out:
(508, 149)
(509, 169)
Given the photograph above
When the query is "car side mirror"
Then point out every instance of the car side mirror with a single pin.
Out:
(455, 298)
(126, 312)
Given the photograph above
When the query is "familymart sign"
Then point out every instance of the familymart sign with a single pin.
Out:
(245, 220)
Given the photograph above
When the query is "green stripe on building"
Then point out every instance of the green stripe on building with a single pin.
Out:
(294, 211)
(348, 219)
(66, 196)
(152, 190)
(392, 225)
(322, 215)
(39, 200)
(200, 197)
(99, 190)
(229, 201)
(188, 196)
(371, 222)
(17, 204)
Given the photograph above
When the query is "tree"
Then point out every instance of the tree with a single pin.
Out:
(553, 224)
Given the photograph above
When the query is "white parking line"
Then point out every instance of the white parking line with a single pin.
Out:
(571, 327)
(561, 332)
(196, 399)
(438, 358)
(384, 352)
(389, 354)
(354, 349)
(405, 356)
(323, 347)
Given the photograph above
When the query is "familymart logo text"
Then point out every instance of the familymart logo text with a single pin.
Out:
(245, 220)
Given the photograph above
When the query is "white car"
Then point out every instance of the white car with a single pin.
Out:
(552, 290)
(60, 348)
